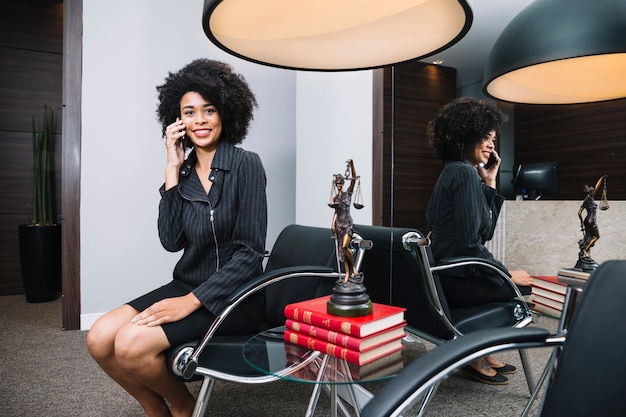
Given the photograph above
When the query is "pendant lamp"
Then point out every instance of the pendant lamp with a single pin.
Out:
(334, 35)
(560, 52)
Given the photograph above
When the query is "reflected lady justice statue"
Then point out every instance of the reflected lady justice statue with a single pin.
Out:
(589, 225)
(349, 297)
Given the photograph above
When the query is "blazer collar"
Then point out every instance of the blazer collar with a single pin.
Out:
(223, 159)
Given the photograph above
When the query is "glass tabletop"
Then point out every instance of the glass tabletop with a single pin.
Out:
(268, 353)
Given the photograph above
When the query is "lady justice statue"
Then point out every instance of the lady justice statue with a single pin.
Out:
(589, 225)
(349, 298)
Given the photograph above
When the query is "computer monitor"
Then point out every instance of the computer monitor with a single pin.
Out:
(536, 179)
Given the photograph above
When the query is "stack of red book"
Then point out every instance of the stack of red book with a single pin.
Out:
(358, 340)
(548, 295)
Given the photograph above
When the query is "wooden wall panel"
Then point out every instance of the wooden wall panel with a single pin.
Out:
(28, 80)
(72, 99)
(10, 280)
(31, 60)
(587, 140)
(16, 174)
(35, 25)
(420, 90)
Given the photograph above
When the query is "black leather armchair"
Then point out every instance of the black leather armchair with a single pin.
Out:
(587, 379)
(301, 265)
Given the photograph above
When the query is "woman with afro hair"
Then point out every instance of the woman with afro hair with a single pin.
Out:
(463, 211)
(213, 208)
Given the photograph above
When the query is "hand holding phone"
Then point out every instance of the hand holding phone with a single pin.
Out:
(182, 141)
(492, 160)
(489, 171)
(178, 133)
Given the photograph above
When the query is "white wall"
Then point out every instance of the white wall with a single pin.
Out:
(306, 126)
(334, 124)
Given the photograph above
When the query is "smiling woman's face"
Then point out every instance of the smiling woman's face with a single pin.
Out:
(483, 149)
(203, 124)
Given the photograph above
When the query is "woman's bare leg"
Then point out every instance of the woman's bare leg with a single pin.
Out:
(493, 362)
(140, 352)
(482, 366)
(107, 342)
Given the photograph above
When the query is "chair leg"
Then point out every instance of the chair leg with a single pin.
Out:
(530, 380)
(203, 396)
(426, 400)
(544, 375)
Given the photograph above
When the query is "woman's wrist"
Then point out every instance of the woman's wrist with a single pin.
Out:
(171, 177)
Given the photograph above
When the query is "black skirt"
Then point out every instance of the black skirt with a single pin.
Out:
(245, 319)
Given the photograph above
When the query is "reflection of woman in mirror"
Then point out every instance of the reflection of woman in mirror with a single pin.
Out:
(589, 225)
(342, 220)
(463, 210)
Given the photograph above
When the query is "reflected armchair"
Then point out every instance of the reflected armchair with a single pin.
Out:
(411, 281)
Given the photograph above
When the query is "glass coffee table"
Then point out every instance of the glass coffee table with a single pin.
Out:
(268, 353)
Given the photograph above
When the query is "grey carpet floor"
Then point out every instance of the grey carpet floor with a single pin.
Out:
(45, 371)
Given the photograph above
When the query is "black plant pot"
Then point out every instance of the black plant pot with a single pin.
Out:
(40, 257)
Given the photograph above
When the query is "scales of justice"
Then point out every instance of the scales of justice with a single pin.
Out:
(589, 224)
(349, 298)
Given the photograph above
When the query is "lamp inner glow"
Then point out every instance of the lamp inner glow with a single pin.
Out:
(574, 80)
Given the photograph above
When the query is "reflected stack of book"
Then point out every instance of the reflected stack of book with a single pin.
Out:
(573, 277)
(358, 340)
(548, 295)
(385, 366)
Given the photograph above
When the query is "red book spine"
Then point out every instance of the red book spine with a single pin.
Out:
(330, 336)
(544, 309)
(344, 340)
(349, 355)
(550, 283)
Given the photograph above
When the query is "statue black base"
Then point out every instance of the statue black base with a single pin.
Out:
(586, 264)
(349, 299)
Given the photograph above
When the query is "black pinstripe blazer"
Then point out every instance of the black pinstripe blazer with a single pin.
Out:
(462, 214)
(222, 234)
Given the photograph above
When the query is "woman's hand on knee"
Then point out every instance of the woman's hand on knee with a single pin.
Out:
(167, 311)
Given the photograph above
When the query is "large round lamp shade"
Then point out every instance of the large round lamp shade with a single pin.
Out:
(560, 52)
(334, 35)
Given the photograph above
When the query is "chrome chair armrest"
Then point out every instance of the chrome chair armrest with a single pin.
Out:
(424, 372)
(185, 362)
(503, 274)
(418, 246)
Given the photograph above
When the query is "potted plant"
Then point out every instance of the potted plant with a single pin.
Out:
(40, 241)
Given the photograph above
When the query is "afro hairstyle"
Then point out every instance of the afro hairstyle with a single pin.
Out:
(217, 83)
(460, 124)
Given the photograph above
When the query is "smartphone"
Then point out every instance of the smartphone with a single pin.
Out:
(183, 140)
(491, 161)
